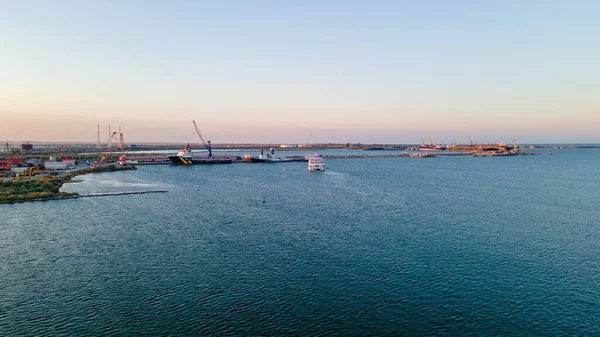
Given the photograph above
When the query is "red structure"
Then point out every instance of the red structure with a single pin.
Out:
(67, 159)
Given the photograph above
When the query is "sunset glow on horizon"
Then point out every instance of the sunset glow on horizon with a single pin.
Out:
(296, 72)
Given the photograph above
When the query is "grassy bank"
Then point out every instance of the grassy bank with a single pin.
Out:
(39, 190)
(110, 168)
(30, 190)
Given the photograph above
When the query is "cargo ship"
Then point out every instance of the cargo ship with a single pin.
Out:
(185, 156)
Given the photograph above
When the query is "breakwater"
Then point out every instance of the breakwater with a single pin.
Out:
(117, 194)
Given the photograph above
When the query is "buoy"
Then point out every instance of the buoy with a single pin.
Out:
(263, 199)
(282, 170)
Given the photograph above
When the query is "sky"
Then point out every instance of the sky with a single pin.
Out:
(300, 71)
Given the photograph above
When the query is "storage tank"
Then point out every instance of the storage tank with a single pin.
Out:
(55, 165)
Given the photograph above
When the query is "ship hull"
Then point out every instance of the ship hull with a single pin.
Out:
(267, 160)
(180, 161)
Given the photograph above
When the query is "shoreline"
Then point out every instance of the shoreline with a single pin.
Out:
(39, 190)
(12, 192)
(84, 153)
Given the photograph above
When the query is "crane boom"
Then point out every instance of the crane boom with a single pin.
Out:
(121, 141)
(122, 158)
(431, 142)
(107, 149)
(207, 146)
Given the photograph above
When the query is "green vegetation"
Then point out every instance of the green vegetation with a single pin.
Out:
(46, 189)
(109, 168)
(25, 190)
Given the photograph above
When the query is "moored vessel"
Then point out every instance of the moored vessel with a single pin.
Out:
(185, 156)
(270, 158)
(422, 155)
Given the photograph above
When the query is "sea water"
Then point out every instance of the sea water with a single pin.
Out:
(388, 246)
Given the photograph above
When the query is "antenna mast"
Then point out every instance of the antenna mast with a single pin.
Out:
(110, 135)
(98, 137)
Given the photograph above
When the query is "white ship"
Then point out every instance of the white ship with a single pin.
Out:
(316, 163)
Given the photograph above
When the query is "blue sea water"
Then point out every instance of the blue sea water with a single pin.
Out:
(388, 246)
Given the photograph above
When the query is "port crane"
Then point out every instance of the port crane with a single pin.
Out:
(207, 146)
(106, 150)
(122, 158)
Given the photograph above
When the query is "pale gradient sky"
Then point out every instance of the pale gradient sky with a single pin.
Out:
(298, 71)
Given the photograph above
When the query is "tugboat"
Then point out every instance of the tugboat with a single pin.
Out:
(186, 157)
(316, 163)
(270, 158)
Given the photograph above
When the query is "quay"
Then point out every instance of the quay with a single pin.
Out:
(40, 185)
(429, 154)
(160, 160)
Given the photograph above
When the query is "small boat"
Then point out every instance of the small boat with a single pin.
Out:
(186, 157)
(422, 155)
(316, 163)
(131, 162)
(270, 158)
(123, 161)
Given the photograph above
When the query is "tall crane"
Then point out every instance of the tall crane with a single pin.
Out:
(207, 146)
(122, 158)
(107, 149)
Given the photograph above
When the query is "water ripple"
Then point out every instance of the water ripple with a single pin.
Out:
(372, 247)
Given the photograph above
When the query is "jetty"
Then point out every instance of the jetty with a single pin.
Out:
(114, 194)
